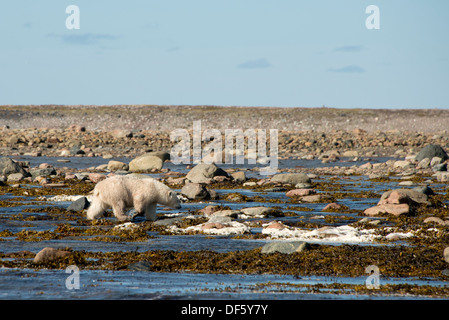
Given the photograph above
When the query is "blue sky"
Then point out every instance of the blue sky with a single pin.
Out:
(241, 53)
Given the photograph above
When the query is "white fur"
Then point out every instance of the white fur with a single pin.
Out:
(123, 192)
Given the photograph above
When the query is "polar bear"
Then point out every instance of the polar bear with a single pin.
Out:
(122, 192)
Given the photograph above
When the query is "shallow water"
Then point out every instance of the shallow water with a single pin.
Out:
(50, 284)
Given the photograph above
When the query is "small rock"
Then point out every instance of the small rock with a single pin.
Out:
(291, 178)
(446, 254)
(146, 163)
(79, 204)
(332, 206)
(249, 184)
(15, 177)
(394, 209)
(117, 165)
(431, 151)
(195, 191)
(436, 220)
(261, 211)
(300, 192)
(313, 198)
(140, 266)
(285, 247)
(49, 254)
(96, 177)
(204, 173)
(208, 210)
(239, 176)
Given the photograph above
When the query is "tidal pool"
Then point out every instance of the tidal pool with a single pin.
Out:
(354, 192)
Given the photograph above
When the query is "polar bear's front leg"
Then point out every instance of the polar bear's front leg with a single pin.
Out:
(119, 211)
(150, 211)
(96, 208)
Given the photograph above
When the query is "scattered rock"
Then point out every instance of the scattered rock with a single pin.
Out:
(332, 206)
(117, 165)
(146, 162)
(285, 247)
(291, 178)
(79, 204)
(431, 151)
(394, 209)
(300, 192)
(15, 177)
(8, 166)
(96, 177)
(239, 176)
(261, 211)
(195, 191)
(49, 254)
(437, 221)
(446, 254)
(204, 173)
(312, 198)
(140, 266)
(408, 196)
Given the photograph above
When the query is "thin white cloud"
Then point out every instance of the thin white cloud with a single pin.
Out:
(255, 64)
(347, 69)
(349, 49)
(83, 38)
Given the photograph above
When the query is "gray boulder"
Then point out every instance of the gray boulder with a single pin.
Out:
(430, 151)
(7, 167)
(291, 178)
(146, 162)
(285, 247)
(203, 173)
(42, 172)
(195, 191)
(79, 205)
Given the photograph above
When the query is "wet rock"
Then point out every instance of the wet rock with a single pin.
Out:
(15, 177)
(96, 177)
(44, 172)
(394, 209)
(425, 189)
(312, 198)
(440, 167)
(261, 211)
(49, 254)
(8, 166)
(227, 213)
(220, 219)
(431, 151)
(204, 173)
(443, 176)
(300, 192)
(79, 204)
(446, 254)
(117, 165)
(209, 210)
(140, 266)
(146, 163)
(332, 206)
(408, 196)
(424, 163)
(195, 191)
(403, 164)
(291, 178)
(437, 221)
(239, 176)
(164, 156)
(285, 247)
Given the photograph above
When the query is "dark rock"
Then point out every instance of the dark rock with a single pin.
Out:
(79, 205)
(425, 189)
(140, 266)
(285, 247)
(195, 191)
(7, 167)
(430, 151)
(204, 173)
(42, 172)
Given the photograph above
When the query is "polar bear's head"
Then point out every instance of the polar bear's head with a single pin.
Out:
(173, 200)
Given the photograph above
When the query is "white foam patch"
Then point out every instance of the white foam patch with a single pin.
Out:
(233, 227)
(65, 198)
(341, 234)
